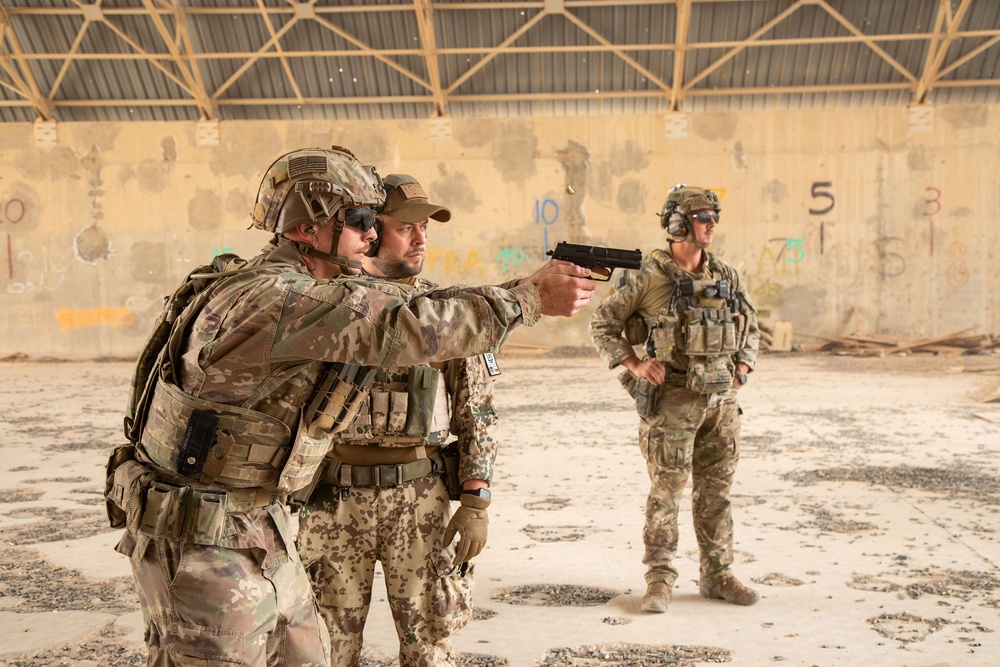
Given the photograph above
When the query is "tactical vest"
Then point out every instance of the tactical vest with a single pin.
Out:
(404, 408)
(192, 439)
(700, 327)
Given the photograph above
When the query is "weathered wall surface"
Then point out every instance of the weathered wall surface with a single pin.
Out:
(849, 220)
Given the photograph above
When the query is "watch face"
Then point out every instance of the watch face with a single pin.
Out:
(481, 493)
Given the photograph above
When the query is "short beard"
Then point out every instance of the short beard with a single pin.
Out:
(396, 268)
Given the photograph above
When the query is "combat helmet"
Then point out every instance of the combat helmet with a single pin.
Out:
(315, 186)
(681, 200)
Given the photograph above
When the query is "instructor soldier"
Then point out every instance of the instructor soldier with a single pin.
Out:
(699, 327)
(250, 370)
(383, 494)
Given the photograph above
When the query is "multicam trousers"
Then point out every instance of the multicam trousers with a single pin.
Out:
(403, 527)
(214, 605)
(696, 435)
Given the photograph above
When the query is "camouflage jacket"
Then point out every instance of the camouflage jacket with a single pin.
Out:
(646, 291)
(261, 344)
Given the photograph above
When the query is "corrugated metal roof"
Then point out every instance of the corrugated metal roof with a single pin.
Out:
(340, 59)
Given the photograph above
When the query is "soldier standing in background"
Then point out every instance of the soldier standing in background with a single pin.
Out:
(384, 495)
(695, 317)
(250, 370)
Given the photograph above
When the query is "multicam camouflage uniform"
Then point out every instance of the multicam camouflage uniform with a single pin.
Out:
(213, 554)
(344, 529)
(687, 432)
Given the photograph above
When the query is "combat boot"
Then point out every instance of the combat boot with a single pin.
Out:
(657, 597)
(730, 589)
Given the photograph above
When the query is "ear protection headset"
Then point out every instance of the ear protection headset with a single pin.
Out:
(673, 220)
(374, 245)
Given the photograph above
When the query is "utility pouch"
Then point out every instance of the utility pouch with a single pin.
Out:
(380, 402)
(205, 516)
(449, 453)
(421, 390)
(709, 375)
(337, 398)
(301, 496)
(307, 453)
(662, 339)
(713, 336)
(729, 337)
(125, 487)
(163, 515)
(628, 381)
(396, 417)
(696, 341)
(647, 395)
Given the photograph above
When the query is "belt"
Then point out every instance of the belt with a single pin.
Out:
(237, 500)
(675, 377)
(195, 515)
(337, 473)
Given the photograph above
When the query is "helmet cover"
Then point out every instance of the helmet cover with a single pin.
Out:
(311, 185)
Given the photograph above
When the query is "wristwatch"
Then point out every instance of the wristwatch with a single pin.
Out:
(742, 377)
(479, 493)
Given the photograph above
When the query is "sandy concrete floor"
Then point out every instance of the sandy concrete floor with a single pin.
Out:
(865, 508)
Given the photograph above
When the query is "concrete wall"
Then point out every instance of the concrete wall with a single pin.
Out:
(877, 221)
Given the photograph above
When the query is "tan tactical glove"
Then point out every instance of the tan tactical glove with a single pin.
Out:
(470, 523)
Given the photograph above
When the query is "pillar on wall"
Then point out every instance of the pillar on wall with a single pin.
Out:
(46, 133)
(921, 118)
(441, 129)
(207, 133)
(675, 125)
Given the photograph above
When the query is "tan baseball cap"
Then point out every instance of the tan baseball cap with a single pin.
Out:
(408, 202)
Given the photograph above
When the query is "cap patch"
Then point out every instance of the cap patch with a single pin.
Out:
(412, 191)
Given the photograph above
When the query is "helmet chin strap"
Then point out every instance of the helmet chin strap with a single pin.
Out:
(341, 263)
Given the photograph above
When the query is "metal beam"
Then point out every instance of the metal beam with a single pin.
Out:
(617, 50)
(867, 40)
(367, 50)
(733, 52)
(179, 46)
(277, 42)
(683, 25)
(493, 53)
(22, 81)
(939, 46)
(428, 41)
(175, 22)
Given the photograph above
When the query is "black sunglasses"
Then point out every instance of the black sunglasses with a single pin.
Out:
(360, 218)
(705, 217)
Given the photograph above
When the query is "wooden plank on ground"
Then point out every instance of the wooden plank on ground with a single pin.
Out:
(989, 393)
(927, 341)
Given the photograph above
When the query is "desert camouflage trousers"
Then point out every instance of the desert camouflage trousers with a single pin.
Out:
(402, 527)
(697, 436)
(213, 605)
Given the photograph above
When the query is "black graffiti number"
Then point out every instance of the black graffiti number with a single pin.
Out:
(819, 191)
(893, 264)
